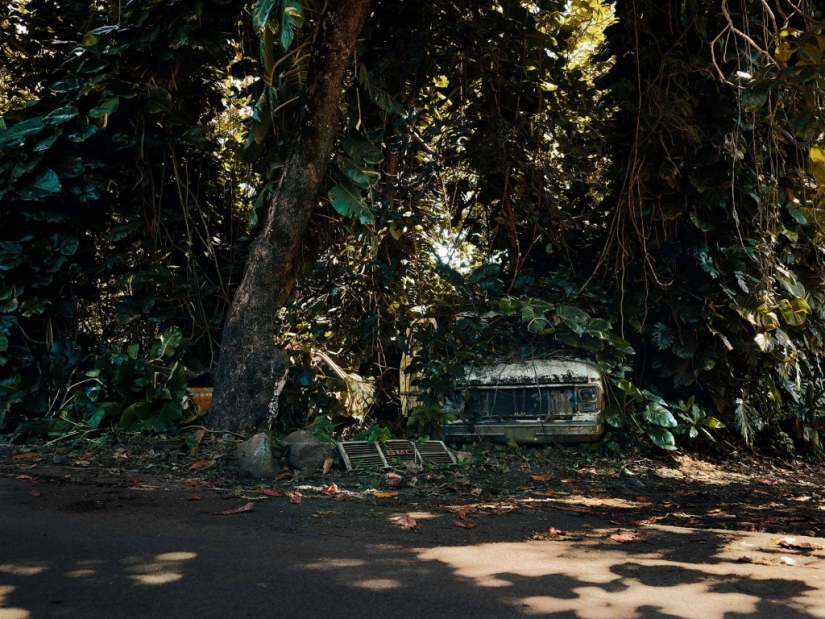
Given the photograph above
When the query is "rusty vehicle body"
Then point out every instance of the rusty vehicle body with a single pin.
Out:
(532, 401)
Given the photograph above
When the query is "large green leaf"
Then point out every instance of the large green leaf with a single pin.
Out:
(166, 344)
(177, 382)
(106, 107)
(657, 414)
(19, 131)
(662, 438)
(362, 176)
(362, 150)
(44, 185)
(132, 418)
(347, 201)
(292, 17)
(262, 12)
(61, 115)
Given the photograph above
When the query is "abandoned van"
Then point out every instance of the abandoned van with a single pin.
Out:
(534, 401)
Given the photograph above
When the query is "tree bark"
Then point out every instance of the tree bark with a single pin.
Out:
(251, 370)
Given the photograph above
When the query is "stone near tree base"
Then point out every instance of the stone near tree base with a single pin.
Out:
(255, 457)
(306, 451)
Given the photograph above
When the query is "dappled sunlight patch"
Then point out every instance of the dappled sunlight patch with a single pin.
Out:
(597, 579)
(325, 564)
(23, 569)
(415, 515)
(82, 573)
(162, 569)
(10, 613)
(596, 603)
(377, 584)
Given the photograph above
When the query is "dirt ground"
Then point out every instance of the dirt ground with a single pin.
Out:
(529, 532)
(745, 492)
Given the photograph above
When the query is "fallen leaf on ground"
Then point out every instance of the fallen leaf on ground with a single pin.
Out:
(121, 455)
(134, 480)
(295, 499)
(35, 493)
(28, 454)
(552, 531)
(283, 476)
(238, 510)
(202, 465)
(81, 463)
(792, 542)
(767, 482)
(542, 477)
(385, 495)
(406, 521)
(194, 497)
(267, 491)
(393, 476)
(24, 477)
(801, 499)
(476, 491)
(464, 525)
(26, 467)
(461, 515)
(333, 489)
(327, 465)
(623, 537)
(643, 499)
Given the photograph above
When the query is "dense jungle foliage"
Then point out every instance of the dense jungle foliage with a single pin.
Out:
(641, 182)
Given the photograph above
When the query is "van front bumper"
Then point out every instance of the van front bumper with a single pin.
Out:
(525, 431)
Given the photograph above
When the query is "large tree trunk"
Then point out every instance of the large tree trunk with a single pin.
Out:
(252, 370)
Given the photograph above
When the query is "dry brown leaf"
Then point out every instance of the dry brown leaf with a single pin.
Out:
(792, 542)
(476, 491)
(623, 537)
(552, 531)
(643, 499)
(202, 465)
(25, 477)
(194, 497)
(767, 482)
(461, 515)
(238, 510)
(542, 477)
(267, 491)
(327, 465)
(81, 463)
(393, 476)
(295, 499)
(28, 454)
(406, 521)
(134, 480)
(464, 525)
(331, 489)
(283, 476)
(35, 493)
(385, 495)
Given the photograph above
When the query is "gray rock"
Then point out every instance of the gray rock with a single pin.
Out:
(255, 457)
(306, 451)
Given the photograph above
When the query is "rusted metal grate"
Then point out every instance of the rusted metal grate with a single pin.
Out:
(399, 452)
(435, 452)
(360, 454)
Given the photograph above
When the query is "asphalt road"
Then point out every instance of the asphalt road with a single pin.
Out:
(107, 551)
